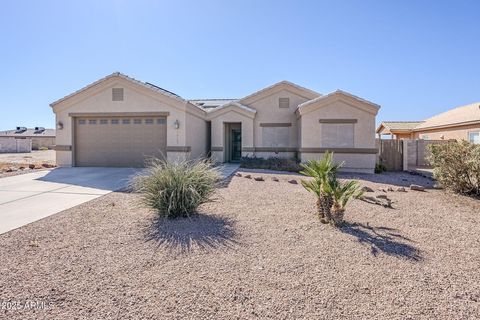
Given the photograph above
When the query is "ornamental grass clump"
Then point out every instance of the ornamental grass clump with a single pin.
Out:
(332, 195)
(176, 189)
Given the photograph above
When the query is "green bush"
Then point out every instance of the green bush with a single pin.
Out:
(332, 195)
(379, 168)
(457, 166)
(176, 189)
(278, 164)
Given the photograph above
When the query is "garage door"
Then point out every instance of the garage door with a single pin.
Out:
(119, 141)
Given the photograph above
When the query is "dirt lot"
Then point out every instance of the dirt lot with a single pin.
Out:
(256, 252)
(17, 163)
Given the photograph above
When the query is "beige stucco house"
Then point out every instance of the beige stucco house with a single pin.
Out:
(462, 123)
(118, 121)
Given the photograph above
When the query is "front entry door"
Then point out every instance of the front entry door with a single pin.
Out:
(236, 145)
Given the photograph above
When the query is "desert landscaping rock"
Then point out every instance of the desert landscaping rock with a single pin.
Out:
(417, 187)
(31, 166)
(258, 179)
(248, 176)
(367, 189)
(401, 189)
(257, 252)
(275, 179)
(293, 181)
(238, 174)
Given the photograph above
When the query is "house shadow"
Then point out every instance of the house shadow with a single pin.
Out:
(199, 232)
(108, 178)
(397, 178)
(383, 239)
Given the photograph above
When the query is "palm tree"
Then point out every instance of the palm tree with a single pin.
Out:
(323, 173)
(342, 193)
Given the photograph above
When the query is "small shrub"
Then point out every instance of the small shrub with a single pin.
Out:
(456, 166)
(273, 163)
(379, 168)
(332, 195)
(176, 189)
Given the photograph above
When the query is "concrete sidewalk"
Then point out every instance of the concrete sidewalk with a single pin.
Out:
(30, 197)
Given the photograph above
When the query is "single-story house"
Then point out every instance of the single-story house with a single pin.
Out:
(41, 137)
(118, 121)
(462, 123)
(398, 129)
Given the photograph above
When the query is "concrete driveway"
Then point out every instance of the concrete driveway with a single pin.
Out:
(30, 197)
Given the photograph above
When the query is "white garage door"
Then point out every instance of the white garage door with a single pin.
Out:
(119, 141)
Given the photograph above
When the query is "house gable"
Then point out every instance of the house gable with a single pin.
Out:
(345, 97)
(279, 86)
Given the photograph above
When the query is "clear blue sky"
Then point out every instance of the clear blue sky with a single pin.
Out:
(414, 58)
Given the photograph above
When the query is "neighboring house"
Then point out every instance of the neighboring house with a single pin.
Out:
(118, 121)
(398, 129)
(41, 137)
(462, 123)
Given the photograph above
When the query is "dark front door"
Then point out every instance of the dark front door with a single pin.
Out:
(236, 145)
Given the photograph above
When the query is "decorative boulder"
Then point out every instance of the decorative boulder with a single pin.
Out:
(275, 179)
(258, 179)
(416, 187)
(367, 189)
(293, 181)
(248, 176)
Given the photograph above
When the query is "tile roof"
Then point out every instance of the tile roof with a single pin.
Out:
(337, 92)
(123, 76)
(401, 125)
(210, 103)
(460, 115)
(30, 132)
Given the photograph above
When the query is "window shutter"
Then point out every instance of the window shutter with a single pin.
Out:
(337, 135)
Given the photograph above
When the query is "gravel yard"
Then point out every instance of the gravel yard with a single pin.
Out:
(258, 251)
(17, 163)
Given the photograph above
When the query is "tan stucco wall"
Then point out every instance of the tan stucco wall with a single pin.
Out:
(98, 99)
(268, 111)
(364, 129)
(196, 136)
(364, 134)
(457, 133)
(402, 135)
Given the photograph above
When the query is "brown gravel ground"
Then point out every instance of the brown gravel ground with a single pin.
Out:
(257, 252)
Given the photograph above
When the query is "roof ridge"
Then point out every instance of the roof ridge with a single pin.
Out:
(123, 76)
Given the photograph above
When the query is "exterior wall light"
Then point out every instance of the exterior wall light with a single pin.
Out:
(59, 125)
(176, 124)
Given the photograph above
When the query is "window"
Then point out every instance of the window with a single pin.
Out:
(92, 121)
(114, 121)
(474, 137)
(161, 121)
(103, 121)
(284, 102)
(337, 135)
(126, 121)
(148, 121)
(137, 121)
(117, 94)
(82, 121)
(275, 136)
